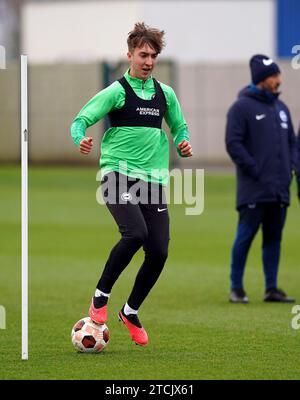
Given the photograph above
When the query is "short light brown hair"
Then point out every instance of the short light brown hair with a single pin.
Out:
(143, 34)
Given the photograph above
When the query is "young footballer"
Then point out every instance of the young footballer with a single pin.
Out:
(134, 153)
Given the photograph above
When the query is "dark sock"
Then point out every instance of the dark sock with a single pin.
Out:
(100, 301)
(133, 318)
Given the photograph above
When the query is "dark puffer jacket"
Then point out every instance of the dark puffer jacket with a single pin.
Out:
(260, 140)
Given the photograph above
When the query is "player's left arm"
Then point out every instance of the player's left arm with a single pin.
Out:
(177, 124)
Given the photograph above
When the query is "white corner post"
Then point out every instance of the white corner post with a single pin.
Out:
(24, 203)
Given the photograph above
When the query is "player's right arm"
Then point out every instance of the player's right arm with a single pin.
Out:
(100, 105)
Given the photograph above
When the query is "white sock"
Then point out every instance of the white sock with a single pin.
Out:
(98, 293)
(128, 310)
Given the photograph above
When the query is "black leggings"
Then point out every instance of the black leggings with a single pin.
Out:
(140, 224)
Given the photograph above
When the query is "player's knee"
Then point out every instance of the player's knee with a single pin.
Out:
(159, 254)
(163, 255)
(136, 234)
(139, 235)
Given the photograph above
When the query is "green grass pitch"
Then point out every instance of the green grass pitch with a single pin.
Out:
(194, 332)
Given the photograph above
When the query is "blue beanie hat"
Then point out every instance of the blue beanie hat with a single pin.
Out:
(262, 67)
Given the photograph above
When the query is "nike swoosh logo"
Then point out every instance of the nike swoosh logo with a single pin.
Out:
(259, 117)
(161, 209)
(267, 62)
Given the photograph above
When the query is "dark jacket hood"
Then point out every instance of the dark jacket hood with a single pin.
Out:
(258, 94)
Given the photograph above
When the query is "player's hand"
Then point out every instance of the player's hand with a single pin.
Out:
(185, 148)
(86, 145)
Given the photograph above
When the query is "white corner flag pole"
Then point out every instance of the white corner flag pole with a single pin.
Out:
(24, 204)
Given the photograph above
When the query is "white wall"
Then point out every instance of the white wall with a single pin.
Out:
(214, 30)
(203, 30)
(85, 30)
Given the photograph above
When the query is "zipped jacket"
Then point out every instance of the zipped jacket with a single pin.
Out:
(260, 140)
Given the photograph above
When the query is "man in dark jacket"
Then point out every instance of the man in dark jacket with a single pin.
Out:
(260, 140)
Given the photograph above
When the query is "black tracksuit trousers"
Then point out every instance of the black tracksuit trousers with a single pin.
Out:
(141, 224)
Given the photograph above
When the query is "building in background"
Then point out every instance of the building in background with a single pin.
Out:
(196, 31)
(71, 43)
(10, 12)
(203, 30)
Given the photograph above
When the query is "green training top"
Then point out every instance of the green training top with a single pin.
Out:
(138, 152)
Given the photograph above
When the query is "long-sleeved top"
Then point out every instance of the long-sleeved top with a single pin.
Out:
(145, 150)
(260, 140)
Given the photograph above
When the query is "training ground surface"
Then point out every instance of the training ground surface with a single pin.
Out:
(194, 332)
